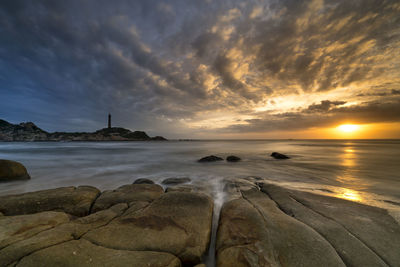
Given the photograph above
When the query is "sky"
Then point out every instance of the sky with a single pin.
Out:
(203, 68)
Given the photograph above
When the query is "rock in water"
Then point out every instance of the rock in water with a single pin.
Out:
(279, 155)
(12, 170)
(233, 159)
(210, 159)
(172, 181)
(143, 181)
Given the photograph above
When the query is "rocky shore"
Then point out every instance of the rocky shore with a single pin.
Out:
(144, 224)
(30, 132)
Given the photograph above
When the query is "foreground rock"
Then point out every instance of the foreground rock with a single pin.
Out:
(211, 158)
(362, 235)
(277, 155)
(20, 227)
(177, 222)
(83, 253)
(233, 159)
(253, 231)
(127, 194)
(274, 226)
(11, 170)
(260, 224)
(72, 230)
(175, 181)
(143, 181)
(73, 200)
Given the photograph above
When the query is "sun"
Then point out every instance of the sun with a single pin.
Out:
(348, 128)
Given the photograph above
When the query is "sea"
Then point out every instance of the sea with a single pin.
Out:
(365, 171)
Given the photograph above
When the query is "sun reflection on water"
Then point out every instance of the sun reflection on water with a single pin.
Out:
(349, 194)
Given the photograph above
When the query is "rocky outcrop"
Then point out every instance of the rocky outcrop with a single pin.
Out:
(175, 181)
(267, 225)
(21, 132)
(143, 181)
(72, 230)
(328, 217)
(253, 231)
(73, 200)
(127, 194)
(277, 155)
(11, 170)
(178, 223)
(30, 132)
(260, 224)
(233, 159)
(83, 253)
(21, 227)
(211, 158)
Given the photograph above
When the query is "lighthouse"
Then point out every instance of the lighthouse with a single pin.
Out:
(109, 120)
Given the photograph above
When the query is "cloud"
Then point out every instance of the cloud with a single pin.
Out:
(324, 106)
(159, 65)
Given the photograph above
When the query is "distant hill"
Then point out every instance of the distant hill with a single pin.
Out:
(30, 132)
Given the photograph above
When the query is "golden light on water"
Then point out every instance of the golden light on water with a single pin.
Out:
(348, 128)
(349, 195)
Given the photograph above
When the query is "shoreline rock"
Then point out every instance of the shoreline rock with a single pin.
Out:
(29, 132)
(233, 159)
(260, 224)
(211, 158)
(176, 181)
(277, 155)
(12, 170)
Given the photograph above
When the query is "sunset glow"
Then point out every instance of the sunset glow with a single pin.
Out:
(348, 128)
(205, 69)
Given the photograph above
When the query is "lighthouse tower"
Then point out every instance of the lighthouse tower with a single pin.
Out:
(109, 120)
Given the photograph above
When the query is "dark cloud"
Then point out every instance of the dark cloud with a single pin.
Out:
(366, 113)
(324, 106)
(158, 64)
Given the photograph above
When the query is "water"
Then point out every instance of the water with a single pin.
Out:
(366, 171)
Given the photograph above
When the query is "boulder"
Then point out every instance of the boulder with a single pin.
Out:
(127, 194)
(59, 234)
(372, 226)
(84, 253)
(277, 155)
(143, 181)
(174, 181)
(211, 158)
(183, 188)
(11, 170)
(233, 159)
(253, 231)
(350, 248)
(20, 227)
(178, 223)
(73, 200)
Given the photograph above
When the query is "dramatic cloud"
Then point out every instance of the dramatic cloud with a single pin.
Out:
(179, 67)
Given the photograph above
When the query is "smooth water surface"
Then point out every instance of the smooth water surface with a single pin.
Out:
(367, 171)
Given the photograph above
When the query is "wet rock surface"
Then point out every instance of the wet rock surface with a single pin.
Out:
(260, 224)
(211, 158)
(73, 200)
(143, 181)
(177, 222)
(233, 159)
(127, 194)
(174, 181)
(277, 155)
(11, 170)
